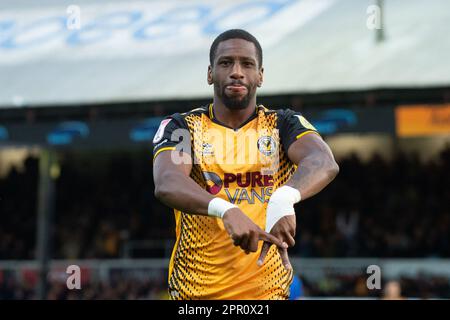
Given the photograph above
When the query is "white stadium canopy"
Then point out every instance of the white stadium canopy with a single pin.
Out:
(52, 52)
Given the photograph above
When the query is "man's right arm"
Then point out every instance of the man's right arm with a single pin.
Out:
(175, 188)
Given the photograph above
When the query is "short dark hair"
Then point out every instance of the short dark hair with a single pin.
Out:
(234, 34)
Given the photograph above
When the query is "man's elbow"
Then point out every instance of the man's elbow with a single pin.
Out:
(160, 192)
(163, 190)
(332, 169)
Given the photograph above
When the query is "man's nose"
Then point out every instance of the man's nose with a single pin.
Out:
(236, 73)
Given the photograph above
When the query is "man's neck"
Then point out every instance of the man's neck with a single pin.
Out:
(233, 118)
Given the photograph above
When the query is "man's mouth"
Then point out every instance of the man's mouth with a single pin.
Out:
(236, 88)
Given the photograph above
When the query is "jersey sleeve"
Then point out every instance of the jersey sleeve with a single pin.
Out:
(172, 134)
(292, 126)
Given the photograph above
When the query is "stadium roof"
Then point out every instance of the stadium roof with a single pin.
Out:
(157, 50)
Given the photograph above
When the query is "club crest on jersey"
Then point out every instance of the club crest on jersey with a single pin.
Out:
(160, 133)
(267, 145)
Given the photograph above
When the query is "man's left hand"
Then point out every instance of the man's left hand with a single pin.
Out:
(284, 230)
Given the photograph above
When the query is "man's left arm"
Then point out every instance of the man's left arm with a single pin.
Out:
(316, 168)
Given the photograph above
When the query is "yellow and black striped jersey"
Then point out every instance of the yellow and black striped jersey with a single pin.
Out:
(243, 166)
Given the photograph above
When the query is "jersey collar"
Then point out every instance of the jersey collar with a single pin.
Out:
(213, 118)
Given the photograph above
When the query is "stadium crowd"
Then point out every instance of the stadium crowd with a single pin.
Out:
(105, 200)
(126, 287)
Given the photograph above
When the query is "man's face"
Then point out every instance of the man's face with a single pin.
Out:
(235, 73)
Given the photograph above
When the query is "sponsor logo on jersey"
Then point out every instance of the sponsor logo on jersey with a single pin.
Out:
(260, 185)
(213, 182)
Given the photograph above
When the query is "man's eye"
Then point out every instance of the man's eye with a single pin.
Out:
(248, 64)
(224, 63)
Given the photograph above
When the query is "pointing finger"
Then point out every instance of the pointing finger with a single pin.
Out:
(265, 249)
(272, 239)
(285, 258)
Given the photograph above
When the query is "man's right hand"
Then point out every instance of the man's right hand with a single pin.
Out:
(245, 233)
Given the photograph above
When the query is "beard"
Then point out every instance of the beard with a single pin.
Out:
(234, 103)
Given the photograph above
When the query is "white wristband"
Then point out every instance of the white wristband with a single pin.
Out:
(281, 204)
(217, 207)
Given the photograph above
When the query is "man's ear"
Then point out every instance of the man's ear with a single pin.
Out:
(209, 76)
(261, 77)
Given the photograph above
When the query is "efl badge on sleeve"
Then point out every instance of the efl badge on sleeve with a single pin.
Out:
(160, 133)
(305, 123)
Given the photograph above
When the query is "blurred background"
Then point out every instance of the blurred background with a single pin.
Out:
(84, 85)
